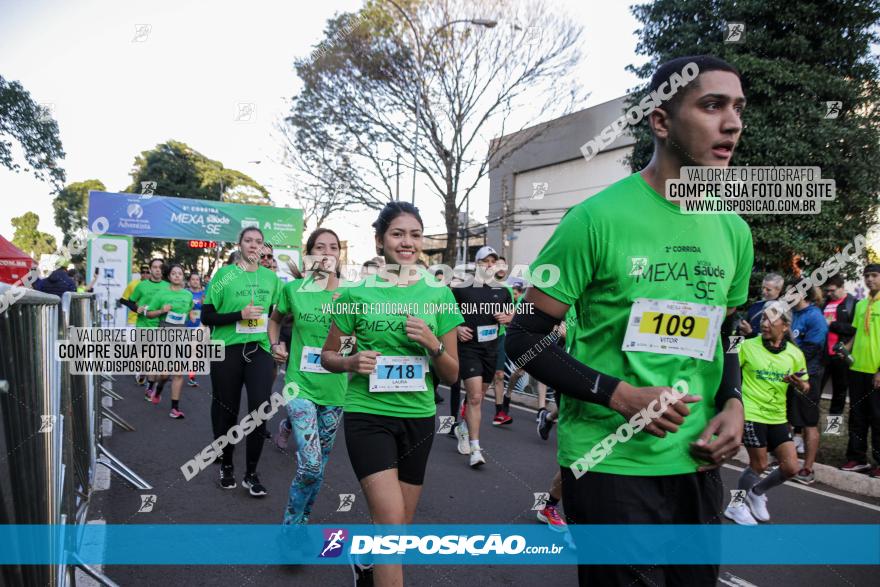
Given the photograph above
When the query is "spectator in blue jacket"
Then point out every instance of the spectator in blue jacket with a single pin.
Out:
(809, 329)
(57, 283)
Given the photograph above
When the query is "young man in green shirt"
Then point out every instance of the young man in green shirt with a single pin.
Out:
(864, 380)
(654, 290)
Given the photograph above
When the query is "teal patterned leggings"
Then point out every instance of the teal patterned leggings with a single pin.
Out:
(314, 428)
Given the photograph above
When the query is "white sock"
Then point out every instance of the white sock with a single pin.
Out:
(475, 445)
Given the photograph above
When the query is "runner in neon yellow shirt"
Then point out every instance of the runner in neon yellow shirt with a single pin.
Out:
(770, 364)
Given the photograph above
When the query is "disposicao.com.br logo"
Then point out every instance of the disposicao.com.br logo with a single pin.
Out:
(476, 545)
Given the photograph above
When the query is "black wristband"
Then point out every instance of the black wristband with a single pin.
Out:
(529, 343)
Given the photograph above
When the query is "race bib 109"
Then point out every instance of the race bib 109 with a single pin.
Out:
(671, 327)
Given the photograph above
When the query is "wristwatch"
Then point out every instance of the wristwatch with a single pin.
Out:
(438, 352)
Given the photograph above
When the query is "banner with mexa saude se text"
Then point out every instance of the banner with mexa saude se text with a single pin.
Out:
(185, 218)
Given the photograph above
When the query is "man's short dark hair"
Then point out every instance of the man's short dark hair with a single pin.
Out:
(835, 280)
(705, 63)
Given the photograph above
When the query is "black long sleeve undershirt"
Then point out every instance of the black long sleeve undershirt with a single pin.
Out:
(211, 317)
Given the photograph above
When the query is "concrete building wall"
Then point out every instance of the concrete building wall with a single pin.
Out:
(542, 173)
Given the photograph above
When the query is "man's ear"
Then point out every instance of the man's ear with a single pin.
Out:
(659, 121)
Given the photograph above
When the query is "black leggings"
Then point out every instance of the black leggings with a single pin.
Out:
(227, 377)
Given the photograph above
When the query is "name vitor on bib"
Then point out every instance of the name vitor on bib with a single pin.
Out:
(671, 327)
(253, 325)
(310, 360)
(399, 373)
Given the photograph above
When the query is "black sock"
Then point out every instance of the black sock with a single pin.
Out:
(151, 386)
(498, 409)
(160, 387)
(506, 403)
(552, 501)
(175, 403)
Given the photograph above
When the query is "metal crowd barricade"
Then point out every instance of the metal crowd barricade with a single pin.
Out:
(50, 428)
(32, 426)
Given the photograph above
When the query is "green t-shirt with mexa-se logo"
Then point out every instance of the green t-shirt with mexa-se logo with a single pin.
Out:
(307, 304)
(231, 290)
(402, 383)
(650, 286)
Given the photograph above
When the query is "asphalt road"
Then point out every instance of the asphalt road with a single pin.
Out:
(519, 464)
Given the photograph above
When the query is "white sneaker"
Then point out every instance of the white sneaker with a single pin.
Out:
(464, 439)
(799, 444)
(740, 514)
(477, 459)
(758, 506)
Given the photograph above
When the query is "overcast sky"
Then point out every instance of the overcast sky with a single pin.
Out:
(116, 89)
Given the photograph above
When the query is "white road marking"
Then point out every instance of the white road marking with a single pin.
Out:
(796, 485)
(734, 581)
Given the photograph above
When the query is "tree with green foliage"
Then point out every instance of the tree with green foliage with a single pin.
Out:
(794, 57)
(436, 78)
(71, 207)
(28, 237)
(33, 128)
(183, 172)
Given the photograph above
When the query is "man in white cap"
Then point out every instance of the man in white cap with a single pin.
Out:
(481, 301)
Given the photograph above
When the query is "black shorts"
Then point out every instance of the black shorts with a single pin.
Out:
(760, 435)
(602, 498)
(477, 360)
(377, 443)
(803, 410)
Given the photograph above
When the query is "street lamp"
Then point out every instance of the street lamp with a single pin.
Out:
(420, 54)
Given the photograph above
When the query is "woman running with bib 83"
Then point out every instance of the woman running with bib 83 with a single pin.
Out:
(236, 306)
(389, 403)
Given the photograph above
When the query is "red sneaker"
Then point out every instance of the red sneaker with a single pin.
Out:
(501, 418)
(856, 467)
(175, 413)
(550, 516)
(156, 397)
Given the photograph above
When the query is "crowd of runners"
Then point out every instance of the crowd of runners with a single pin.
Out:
(609, 342)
